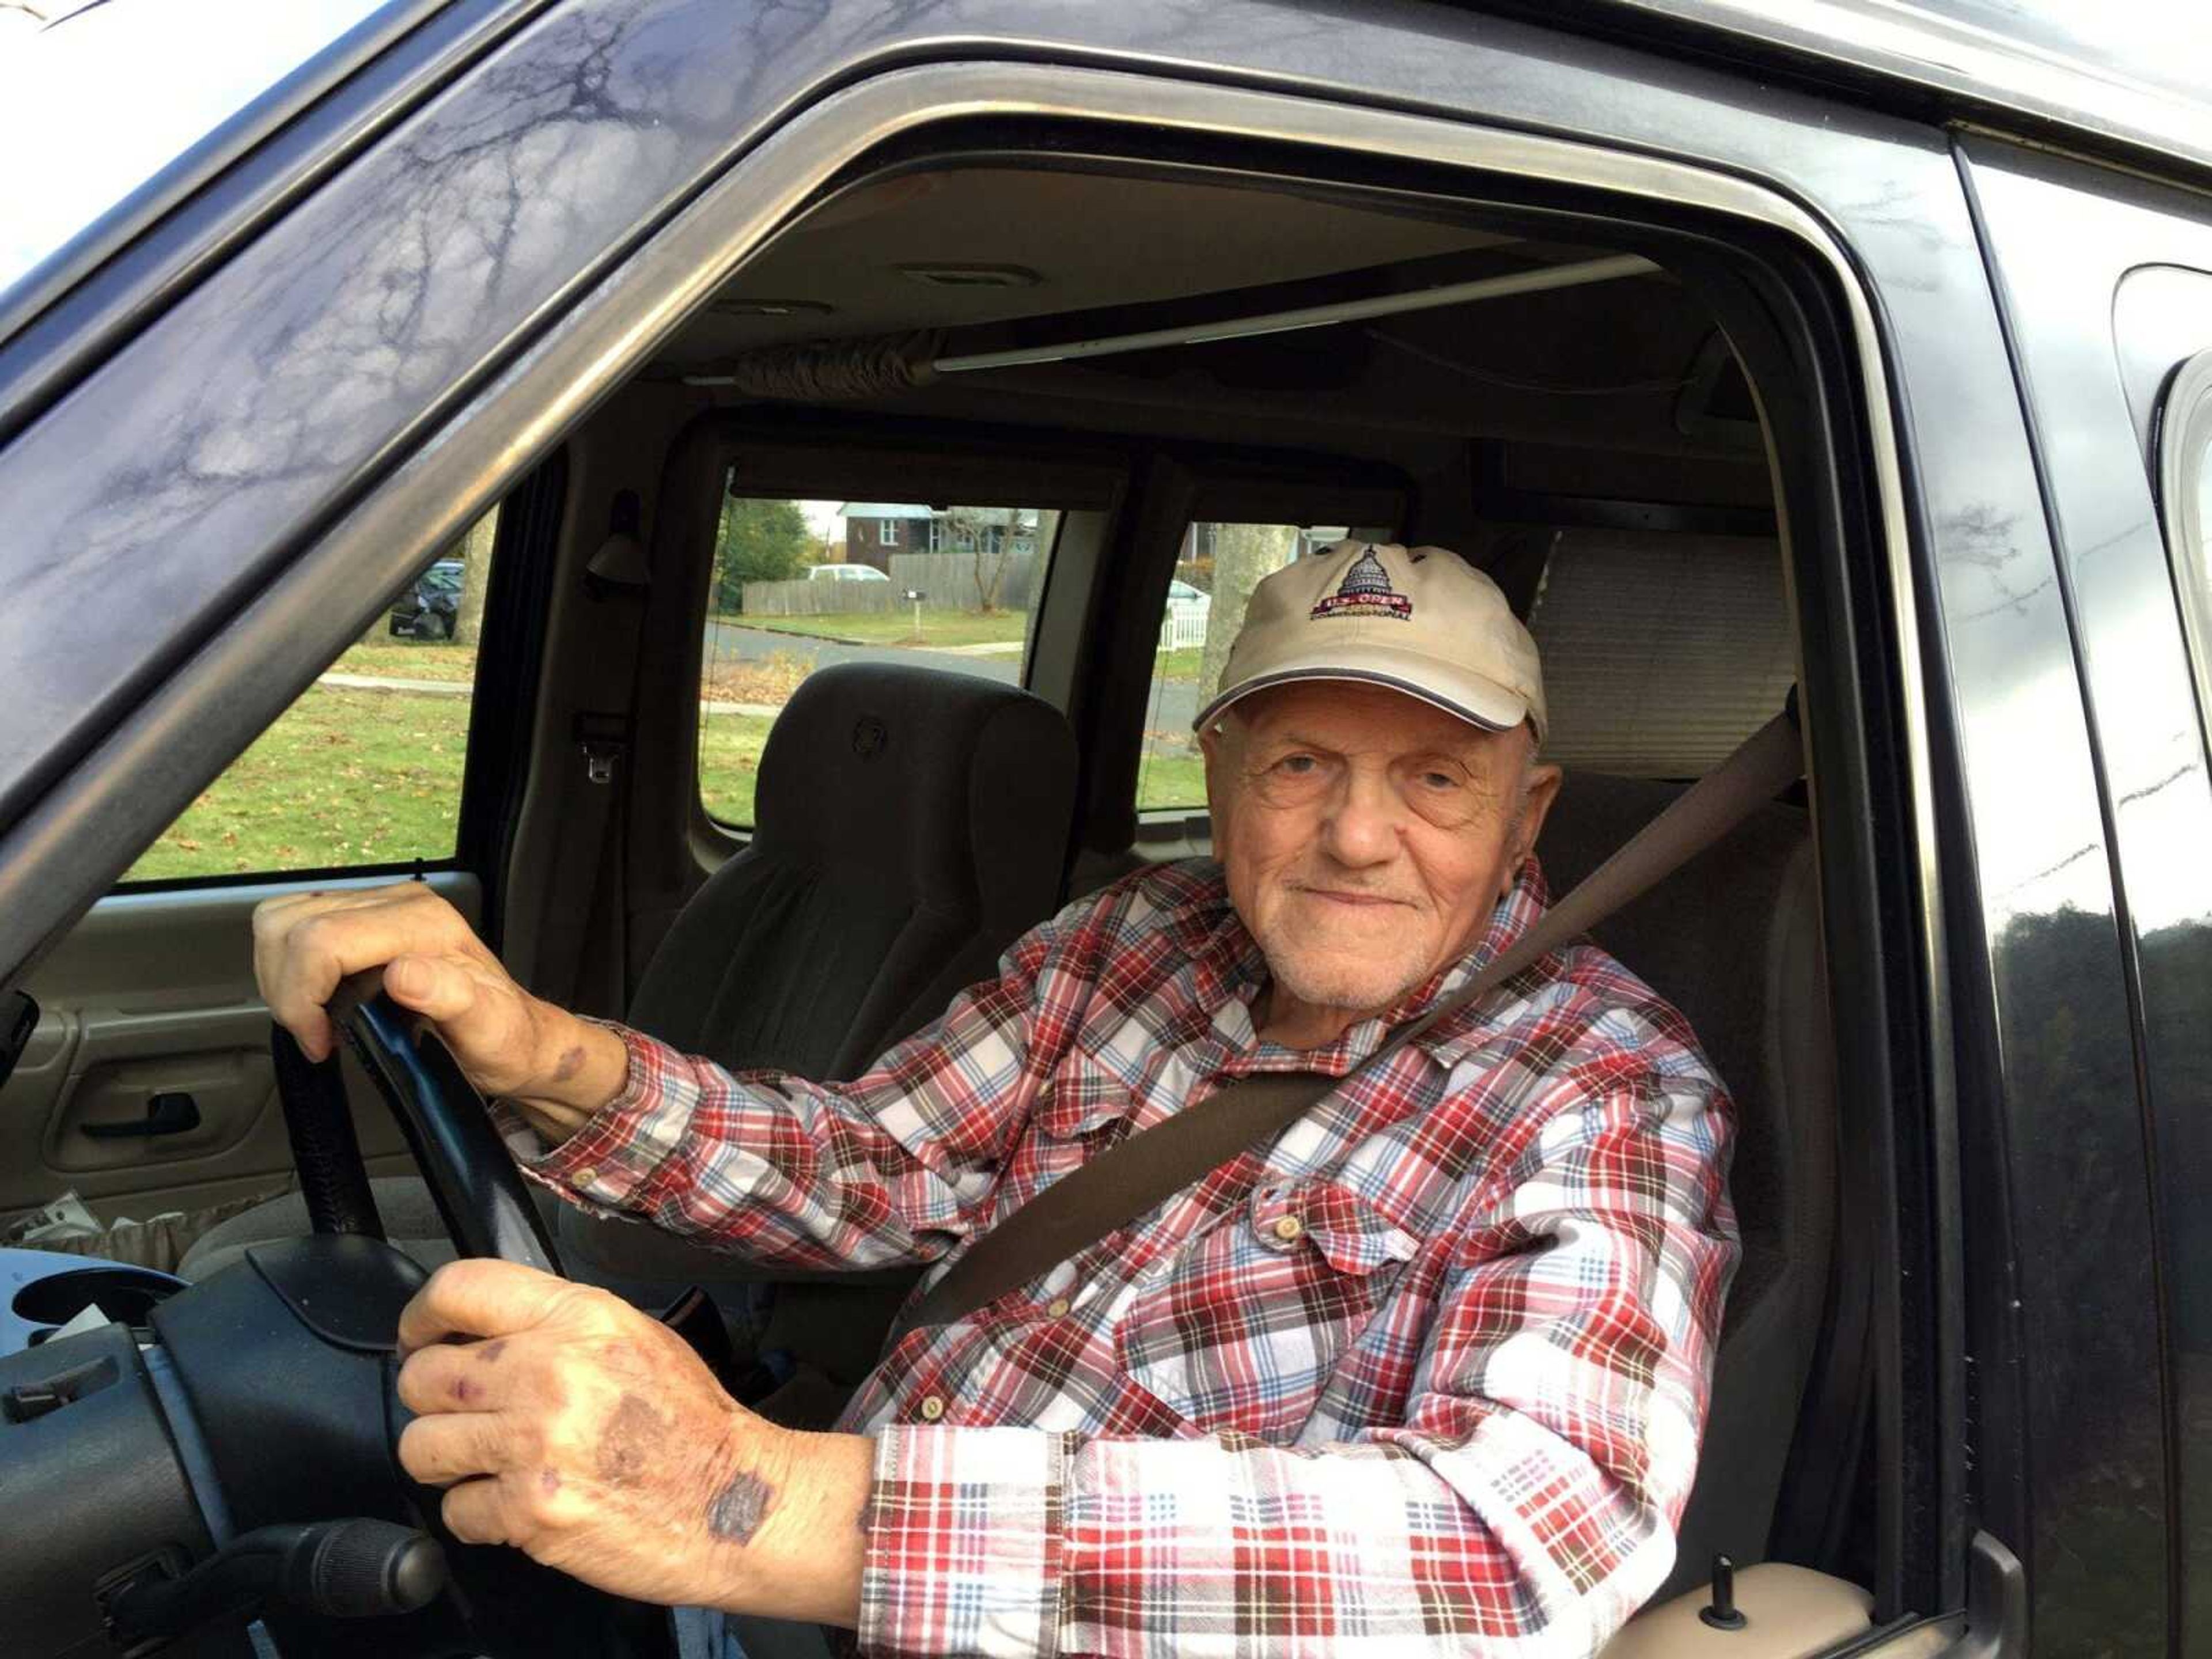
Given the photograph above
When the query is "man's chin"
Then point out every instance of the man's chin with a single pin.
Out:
(1340, 956)
(1325, 979)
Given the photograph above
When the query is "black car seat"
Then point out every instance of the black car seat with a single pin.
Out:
(1732, 939)
(913, 822)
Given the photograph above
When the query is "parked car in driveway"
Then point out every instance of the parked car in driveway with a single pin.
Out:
(1857, 359)
(846, 573)
(428, 606)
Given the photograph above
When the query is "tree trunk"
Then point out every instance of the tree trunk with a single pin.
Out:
(476, 577)
(1242, 554)
(990, 570)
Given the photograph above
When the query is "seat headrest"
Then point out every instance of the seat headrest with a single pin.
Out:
(957, 789)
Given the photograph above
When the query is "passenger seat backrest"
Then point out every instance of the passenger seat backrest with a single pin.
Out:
(1733, 940)
(912, 823)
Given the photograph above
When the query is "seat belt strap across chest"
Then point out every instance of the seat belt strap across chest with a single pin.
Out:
(1128, 1179)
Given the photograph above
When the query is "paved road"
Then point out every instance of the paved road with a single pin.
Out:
(733, 643)
(1175, 709)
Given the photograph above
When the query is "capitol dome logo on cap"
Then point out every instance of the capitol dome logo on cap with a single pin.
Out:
(1365, 591)
(1419, 620)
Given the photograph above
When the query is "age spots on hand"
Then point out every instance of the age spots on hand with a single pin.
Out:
(739, 1507)
(491, 1350)
(626, 1445)
(570, 1063)
(548, 1480)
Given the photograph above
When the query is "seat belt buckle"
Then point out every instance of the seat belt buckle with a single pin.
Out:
(603, 739)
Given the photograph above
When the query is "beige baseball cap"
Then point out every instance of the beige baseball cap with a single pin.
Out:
(1419, 620)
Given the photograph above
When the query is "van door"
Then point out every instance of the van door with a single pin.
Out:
(147, 1086)
(595, 177)
(2107, 287)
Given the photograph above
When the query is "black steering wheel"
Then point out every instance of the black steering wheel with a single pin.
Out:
(480, 1194)
(275, 1407)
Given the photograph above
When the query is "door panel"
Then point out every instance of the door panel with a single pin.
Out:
(152, 994)
(2073, 245)
(1788, 1613)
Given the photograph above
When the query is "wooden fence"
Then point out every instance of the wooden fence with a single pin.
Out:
(949, 580)
(811, 599)
(946, 579)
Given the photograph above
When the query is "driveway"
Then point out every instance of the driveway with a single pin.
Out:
(733, 642)
(1174, 707)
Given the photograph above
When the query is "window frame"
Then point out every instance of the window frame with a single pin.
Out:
(802, 454)
(489, 431)
(501, 704)
(2184, 433)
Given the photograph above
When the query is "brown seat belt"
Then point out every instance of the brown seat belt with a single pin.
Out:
(1120, 1184)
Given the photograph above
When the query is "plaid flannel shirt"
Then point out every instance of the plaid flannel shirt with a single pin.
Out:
(1425, 1375)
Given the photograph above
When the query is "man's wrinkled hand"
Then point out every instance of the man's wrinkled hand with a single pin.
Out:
(566, 1424)
(509, 1043)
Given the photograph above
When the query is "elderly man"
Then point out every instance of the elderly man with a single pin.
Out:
(1425, 1373)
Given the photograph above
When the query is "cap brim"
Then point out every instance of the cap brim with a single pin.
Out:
(1480, 702)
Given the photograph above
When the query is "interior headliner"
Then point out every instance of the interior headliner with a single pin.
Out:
(1609, 369)
(1170, 238)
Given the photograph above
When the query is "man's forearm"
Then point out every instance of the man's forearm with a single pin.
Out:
(793, 1541)
(586, 1066)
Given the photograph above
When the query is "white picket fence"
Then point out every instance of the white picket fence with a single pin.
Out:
(1181, 627)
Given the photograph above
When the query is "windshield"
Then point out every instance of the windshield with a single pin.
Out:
(96, 100)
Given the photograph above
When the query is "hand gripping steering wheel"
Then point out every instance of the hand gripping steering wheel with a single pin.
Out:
(480, 1194)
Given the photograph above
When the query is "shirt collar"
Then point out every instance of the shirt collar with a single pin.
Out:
(1229, 966)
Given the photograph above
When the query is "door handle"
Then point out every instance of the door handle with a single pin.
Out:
(165, 1115)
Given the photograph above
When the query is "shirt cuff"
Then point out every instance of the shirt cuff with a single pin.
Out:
(965, 1534)
(609, 1162)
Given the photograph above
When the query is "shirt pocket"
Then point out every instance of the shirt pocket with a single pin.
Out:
(1243, 1328)
(1070, 1119)
(1079, 1098)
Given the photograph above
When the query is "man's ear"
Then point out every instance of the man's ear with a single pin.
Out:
(1540, 790)
(1214, 742)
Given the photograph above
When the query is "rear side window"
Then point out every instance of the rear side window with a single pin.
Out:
(799, 585)
(365, 768)
(1217, 568)
(2184, 476)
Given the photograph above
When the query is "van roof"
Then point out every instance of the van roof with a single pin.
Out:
(2129, 70)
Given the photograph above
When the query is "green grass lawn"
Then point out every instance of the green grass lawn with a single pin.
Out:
(939, 627)
(1170, 780)
(342, 777)
(410, 660)
(350, 776)
(729, 763)
(1178, 665)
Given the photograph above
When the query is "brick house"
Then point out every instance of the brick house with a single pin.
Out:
(876, 530)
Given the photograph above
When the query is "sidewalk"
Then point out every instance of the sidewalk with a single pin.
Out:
(462, 687)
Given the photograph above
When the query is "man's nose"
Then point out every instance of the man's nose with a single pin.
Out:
(1362, 823)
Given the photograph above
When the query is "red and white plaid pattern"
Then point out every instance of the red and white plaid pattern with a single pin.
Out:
(1426, 1376)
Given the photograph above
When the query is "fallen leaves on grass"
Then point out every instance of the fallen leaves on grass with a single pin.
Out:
(770, 679)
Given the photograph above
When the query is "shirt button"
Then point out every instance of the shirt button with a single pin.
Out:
(1057, 1308)
(933, 1409)
(587, 1175)
(1288, 1227)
